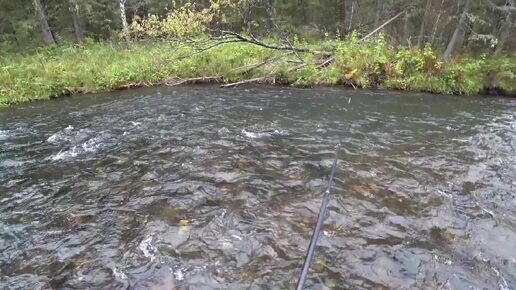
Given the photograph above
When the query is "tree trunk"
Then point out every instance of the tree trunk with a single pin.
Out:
(271, 11)
(378, 13)
(249, 17)
(74, 8)
(437, 22)
(125, 25)
(457, 33)
(421, 36)
(506, 27)
(46, 33)
(351, 16)
(406, 32)
(342, 16)
(305, 11)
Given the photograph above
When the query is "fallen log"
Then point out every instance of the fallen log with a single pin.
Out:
(248, 81)
(176, 81)
(133, 85)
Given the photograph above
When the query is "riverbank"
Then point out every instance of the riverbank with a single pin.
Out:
(99, 67)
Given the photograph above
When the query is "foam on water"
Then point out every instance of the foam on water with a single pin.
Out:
(62, 135)
(90, 146)
(119, 273)
(4, 134)
(148, 249)
(251, 135)
(178, 273)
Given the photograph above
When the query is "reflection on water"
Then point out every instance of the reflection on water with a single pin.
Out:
(203, 188)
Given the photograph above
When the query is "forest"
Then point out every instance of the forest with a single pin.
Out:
(50, 48)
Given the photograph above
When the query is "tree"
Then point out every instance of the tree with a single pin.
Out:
(420, 38)
(437, 21)
(459, 30)
(74, 9)
(342, 16)
(271, 13)
(505, 28)
(249, 16)
(46, 33)
(125, 25)
(378, 13)
(444, 23)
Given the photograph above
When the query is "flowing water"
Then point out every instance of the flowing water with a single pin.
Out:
(208, 188)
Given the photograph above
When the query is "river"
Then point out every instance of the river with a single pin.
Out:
(205, 188)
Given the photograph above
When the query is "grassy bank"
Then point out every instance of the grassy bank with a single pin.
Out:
(98, 67)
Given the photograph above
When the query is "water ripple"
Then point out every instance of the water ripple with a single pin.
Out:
(203, 188)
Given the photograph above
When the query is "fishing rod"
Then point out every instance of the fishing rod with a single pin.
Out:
(320, 220)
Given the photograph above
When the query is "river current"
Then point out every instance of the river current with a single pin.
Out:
(205, 188)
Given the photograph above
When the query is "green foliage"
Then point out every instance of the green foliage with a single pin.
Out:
(500, 74)
(181, 22)
(95, 67)
(186, 20)
(375, 64)
(363, 64)
(306, 76)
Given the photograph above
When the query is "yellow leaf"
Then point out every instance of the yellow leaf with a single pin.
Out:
(362, 190)
(184, 222)
(351, 74)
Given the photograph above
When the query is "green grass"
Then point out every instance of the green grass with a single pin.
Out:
(98, 67)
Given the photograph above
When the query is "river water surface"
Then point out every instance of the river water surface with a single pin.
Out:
(208, 188)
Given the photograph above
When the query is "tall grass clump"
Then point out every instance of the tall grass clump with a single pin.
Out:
(97, 67)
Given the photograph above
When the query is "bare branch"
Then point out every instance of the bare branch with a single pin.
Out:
(504, 8)
(383, 25)
(326, 63)
(176, 81)
(253, 80)
(255, 41)
(267, 61)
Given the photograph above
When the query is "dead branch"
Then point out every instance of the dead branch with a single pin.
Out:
(383, 25)
(262, 63)
(507, 8)
(133, 85)
(295, 61)
(319, 64)
(203, 49)
(326, 63)
(285, 37)
(248, 81)
(176, 81)
(253, 40)
(298, 67)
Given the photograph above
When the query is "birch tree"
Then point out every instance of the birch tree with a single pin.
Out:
(125, 25)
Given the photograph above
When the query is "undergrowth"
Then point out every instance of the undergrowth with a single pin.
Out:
(98, 67)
